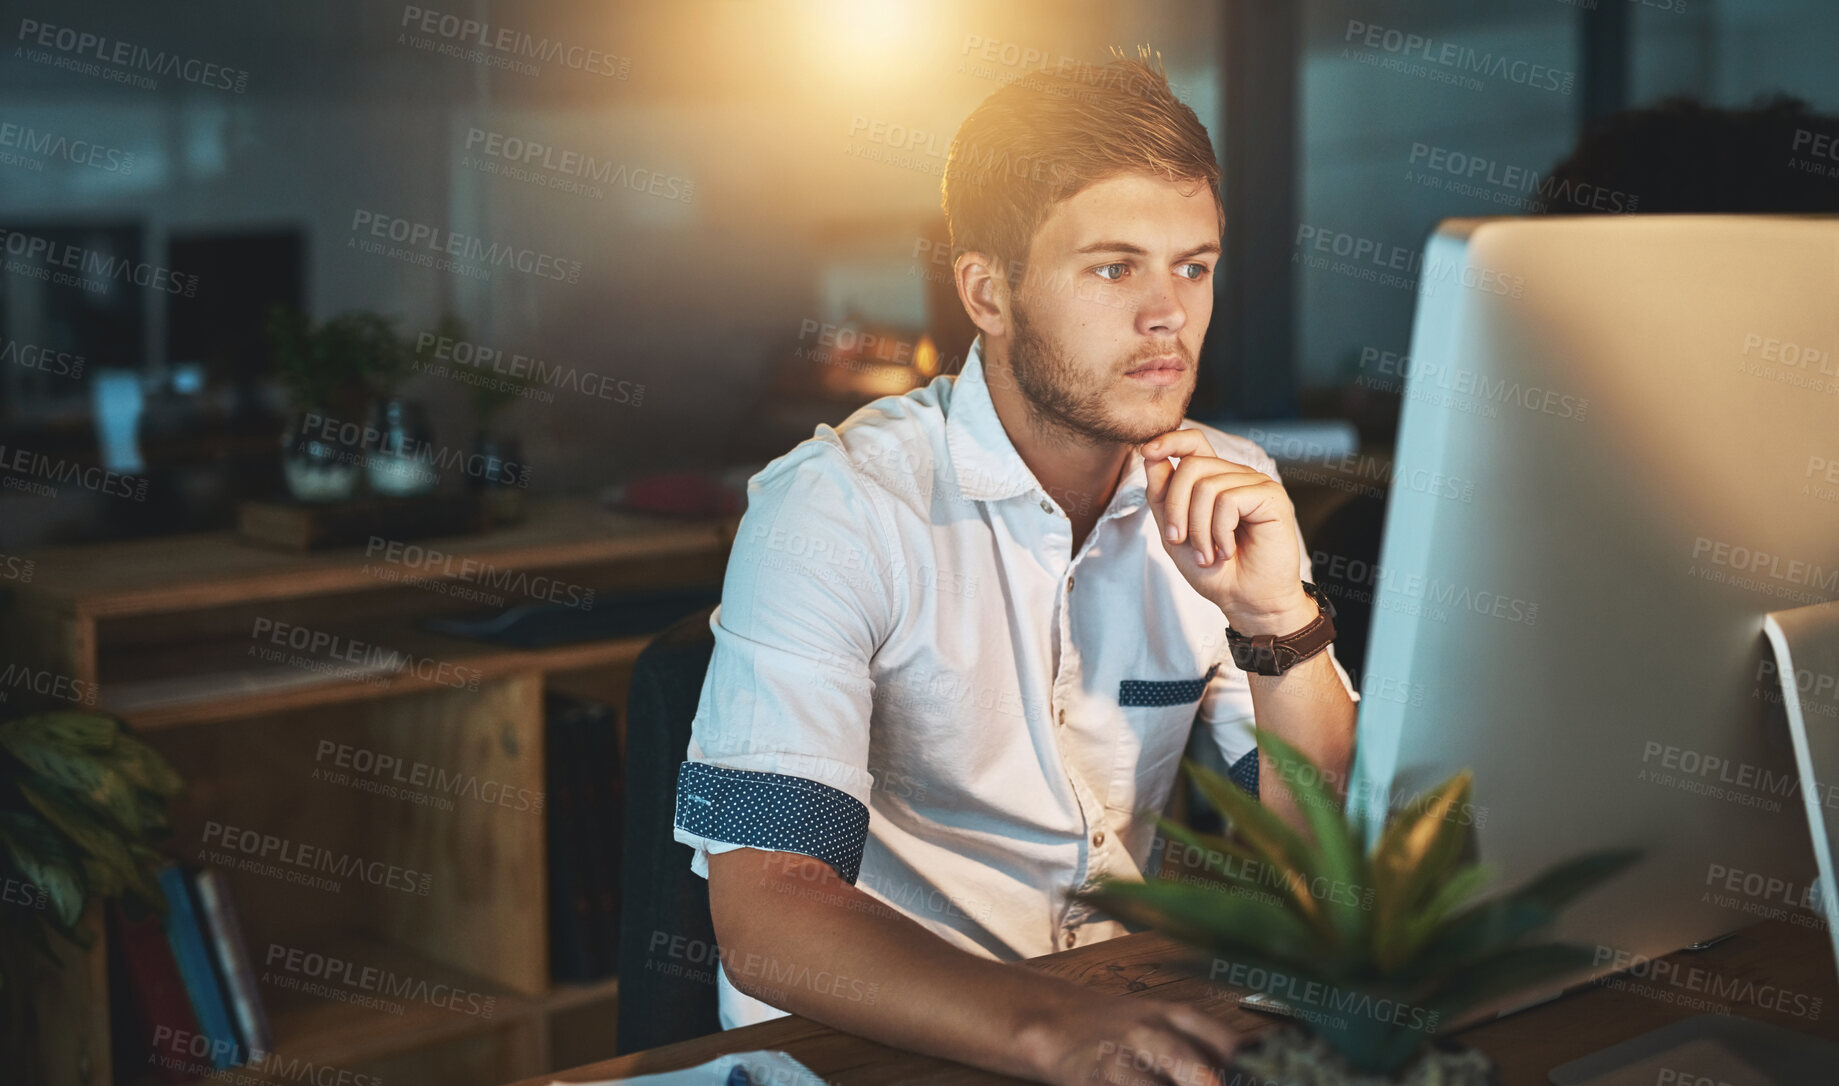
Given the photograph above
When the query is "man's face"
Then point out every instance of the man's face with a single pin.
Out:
(1109, 317)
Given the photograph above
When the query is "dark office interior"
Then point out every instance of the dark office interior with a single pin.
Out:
(380, 385)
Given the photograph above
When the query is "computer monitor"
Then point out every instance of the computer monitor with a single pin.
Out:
(1642, 413)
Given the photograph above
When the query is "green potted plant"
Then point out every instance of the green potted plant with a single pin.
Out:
(1374, 951)
(399, 464)
(329, 371)
(82, 802)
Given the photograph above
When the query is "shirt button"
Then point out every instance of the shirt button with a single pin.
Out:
(1098, 838)
(1071, 938)
(1069, 584)
(1063, 718)
(1046, 506)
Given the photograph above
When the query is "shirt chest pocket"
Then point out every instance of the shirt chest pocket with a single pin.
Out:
(1158, 716)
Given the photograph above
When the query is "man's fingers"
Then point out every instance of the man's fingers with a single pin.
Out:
(1190, 1063)
(1156, 475)
(1158, 470)
(1171, 1059)
(1200, 497)
(1179, 443)
(1223, 522)
(1237, 499)
(1216, 1040)
(1184, 496)
(1219, 1038)
(1178, 497)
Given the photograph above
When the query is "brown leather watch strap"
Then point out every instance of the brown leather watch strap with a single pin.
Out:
(1269, 654)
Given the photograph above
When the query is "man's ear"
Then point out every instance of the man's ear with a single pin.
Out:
(984, 292)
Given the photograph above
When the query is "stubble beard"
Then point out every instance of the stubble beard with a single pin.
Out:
(1061, 407)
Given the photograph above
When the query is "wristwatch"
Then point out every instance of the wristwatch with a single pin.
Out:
(1268, 654)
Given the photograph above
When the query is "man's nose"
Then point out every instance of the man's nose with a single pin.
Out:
(1160, 309)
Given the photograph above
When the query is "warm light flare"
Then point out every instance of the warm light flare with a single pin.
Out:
(871, 24)
(868, 39)
(926, 358)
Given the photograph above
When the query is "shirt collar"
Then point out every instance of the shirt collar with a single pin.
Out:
(985, 460)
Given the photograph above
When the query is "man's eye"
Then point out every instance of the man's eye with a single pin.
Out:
(1119, 269)
(1195, 271)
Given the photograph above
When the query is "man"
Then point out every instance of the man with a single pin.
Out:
(964, 636)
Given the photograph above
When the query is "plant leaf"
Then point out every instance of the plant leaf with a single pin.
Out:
(46, 863)
(1407, 936)
(1483, 929)
(143, 766)
(97, 762)
(1254, 872)
(1214, 846)
(1268, 836)
(111, 865)
(1210, 918)
(1339, 858)
(1560, 884)
(62, 728)
(1513, 970)
(1415, 853)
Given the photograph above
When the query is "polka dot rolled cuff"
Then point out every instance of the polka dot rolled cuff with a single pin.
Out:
(773, 811)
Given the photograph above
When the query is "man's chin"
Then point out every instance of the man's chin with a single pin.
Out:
(1151, 421)
(1137, 430)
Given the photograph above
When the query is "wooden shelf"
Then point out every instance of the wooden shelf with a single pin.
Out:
(166, 630)
(167, 687)
(211, 569)
(326, 1031)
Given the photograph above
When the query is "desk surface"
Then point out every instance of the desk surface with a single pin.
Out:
(1791, 958)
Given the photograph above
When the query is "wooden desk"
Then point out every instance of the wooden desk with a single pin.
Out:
(1525, 1045)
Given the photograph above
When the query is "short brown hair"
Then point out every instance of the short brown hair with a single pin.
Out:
(1047, 136)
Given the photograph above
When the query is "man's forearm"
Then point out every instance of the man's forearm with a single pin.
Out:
(1307, 707)
(797, 936)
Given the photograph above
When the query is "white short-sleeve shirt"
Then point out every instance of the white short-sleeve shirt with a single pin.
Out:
(916, 679)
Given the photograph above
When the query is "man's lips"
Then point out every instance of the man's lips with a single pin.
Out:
(1162, 372)
(1171, 363)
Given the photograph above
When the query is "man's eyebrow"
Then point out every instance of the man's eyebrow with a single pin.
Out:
(1138, 250)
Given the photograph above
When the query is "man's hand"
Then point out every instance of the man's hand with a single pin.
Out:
(1231, 531)
(1119, 1041)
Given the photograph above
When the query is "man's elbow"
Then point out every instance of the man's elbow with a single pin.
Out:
(756, 901)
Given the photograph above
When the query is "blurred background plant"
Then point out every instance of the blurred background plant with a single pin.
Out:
(338, 364)
(82, 804)
(343, 372)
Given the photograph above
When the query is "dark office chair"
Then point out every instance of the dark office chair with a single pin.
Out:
(666, 938)
(1352, 532)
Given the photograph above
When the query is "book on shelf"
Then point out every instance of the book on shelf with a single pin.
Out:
(157, 1004)
(186, 934)
(583, 818)
(230, 953)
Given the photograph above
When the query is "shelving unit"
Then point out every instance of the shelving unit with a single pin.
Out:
(170, 631)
